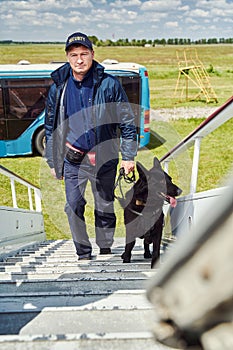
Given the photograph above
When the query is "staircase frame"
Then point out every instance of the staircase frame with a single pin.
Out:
(192, 70)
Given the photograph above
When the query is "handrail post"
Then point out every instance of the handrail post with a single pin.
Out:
(196, 157)
(30, 198)
(37, 193)
(166, 164)
(13, 193)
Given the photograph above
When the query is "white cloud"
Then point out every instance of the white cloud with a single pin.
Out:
(127, 3)
(190, 20)
(172, 24)
(199, 13)
(161, 5)
(53, 19)
(222, 4)
(184, 8)
(221, 13)
(154, 17)
(228, 20)
(7, 17)
(103, 25)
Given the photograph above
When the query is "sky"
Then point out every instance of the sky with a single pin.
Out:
(54, 20)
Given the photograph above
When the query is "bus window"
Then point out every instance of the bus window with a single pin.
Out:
(2, 120)
(131, 85)
(16, 106)
(25, 100)
(1, 105)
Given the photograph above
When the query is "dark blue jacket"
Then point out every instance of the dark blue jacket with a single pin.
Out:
(112, 112)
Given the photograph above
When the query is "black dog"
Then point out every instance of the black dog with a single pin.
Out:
(143, 209)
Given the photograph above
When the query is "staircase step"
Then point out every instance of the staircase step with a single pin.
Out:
(66, 320)
(71, 286)
(73, 274)
(84, 341)
(51, 300)
(126, 299)
(75, 267)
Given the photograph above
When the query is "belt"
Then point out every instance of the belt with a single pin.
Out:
(75, 151)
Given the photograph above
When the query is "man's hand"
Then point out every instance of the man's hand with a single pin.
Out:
(52, 170)
(53, 173)
(128, 165)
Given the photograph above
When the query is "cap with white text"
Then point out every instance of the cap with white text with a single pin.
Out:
(78, 38)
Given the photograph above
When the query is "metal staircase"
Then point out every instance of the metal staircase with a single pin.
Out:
(50, 300)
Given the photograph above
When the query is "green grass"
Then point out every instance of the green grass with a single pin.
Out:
(216, 149)
(215, 162)
(161, 62)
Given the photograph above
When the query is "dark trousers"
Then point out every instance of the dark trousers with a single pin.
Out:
(76, 177)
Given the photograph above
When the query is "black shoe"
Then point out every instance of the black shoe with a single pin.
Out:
(105, 251)
(85, 257)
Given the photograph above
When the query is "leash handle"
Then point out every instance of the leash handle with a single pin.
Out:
(122, 172)
(128, 179)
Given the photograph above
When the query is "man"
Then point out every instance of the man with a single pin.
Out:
(86, 109)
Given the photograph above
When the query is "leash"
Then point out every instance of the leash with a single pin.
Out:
(128, 179)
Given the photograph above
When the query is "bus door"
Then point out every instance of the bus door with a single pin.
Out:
(23, 100)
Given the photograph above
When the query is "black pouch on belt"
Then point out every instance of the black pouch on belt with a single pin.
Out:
(74, 156)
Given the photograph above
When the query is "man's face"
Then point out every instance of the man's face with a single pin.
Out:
(80, 59)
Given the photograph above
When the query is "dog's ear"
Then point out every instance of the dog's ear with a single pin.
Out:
(142, 171)
(157, 163)
(158, 173)
(157, 167)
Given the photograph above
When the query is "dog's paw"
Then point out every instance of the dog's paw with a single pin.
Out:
(147, 255)
(126, 260)
(155, 261)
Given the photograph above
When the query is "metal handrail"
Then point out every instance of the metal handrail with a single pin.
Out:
(216, 119)
(36, 206)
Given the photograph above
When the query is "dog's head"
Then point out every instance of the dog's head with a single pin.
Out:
(152, 183)
(172, 189)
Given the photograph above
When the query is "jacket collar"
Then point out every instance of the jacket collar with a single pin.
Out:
(61, 74)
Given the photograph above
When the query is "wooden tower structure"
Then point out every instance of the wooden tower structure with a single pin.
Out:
(193, 76)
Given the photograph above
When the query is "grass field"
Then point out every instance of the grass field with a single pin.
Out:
(161, 62)
(215, 162)
(216, 150)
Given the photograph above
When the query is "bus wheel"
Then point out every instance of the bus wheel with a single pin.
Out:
(40, 142)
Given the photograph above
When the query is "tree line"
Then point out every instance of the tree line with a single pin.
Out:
(135, 42)
(155, 42)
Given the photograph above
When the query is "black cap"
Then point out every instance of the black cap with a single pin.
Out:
(78, 38)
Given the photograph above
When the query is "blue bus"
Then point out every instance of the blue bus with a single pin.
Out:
(23, 92)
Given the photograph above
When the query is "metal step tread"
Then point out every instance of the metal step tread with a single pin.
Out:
(74, 268)
(71, 285)
(62, 320)
(83, 341)
(72, 261)
(79, 275)
(125, 299)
